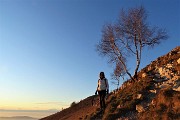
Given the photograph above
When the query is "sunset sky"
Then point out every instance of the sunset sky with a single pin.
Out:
(48, 56)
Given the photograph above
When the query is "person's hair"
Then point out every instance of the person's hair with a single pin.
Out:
(102, 74)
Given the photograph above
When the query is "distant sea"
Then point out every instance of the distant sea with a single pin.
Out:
(18, 118)
(25, 114)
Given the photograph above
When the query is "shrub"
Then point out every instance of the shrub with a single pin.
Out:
(168, 93)
(73, 103)
(163, 107)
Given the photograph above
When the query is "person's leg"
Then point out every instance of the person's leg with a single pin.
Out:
(103, 99)
(100, 99)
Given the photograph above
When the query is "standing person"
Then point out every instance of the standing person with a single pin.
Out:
(102, 89)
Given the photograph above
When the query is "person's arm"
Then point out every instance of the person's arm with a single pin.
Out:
(96, 92)
(97, 88)
(107, 86)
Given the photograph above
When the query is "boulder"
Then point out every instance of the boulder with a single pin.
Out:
(140, 108)
(139, 96)
(153, 91)
(177, 85)
(144, 75)
(178, 61)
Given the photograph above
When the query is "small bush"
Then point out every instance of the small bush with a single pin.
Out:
(73, 103)
(168, 93)
(170, 114)
(111, 116)
(163, 107)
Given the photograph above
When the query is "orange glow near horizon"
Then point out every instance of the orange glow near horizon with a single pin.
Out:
(31, 106)
(31, 109)
(30, 114)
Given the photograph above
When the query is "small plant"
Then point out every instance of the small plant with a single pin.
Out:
(170, 114)
(168, 93)
(73, 103)
(111, 116)
(114, 105)
(163, 107)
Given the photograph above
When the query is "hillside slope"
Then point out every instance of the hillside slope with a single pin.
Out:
(78, 111)
(155, 96)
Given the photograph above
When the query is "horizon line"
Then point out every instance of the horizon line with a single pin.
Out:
(25, 110)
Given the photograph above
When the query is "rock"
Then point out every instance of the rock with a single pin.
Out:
(160, 80)
(139, 96)
(177, 89)
(144, 75)
(164, 86)
(140, 108)
(169, 65)
(153, 91)
(119, 106)
(177, 85)
(157, 75)
(153, 102)
(178, 61)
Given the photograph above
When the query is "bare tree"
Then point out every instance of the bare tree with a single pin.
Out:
(117, 74)
(128, 37)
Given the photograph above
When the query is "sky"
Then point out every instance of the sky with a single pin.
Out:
(48, 56)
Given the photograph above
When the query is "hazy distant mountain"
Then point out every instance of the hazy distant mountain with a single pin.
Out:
(18, 118)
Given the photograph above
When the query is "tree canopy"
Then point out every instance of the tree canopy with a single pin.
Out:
(127, 37)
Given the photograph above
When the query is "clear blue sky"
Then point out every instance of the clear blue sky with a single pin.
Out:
(48, 55)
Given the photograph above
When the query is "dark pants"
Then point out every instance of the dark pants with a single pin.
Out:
(102, 95)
